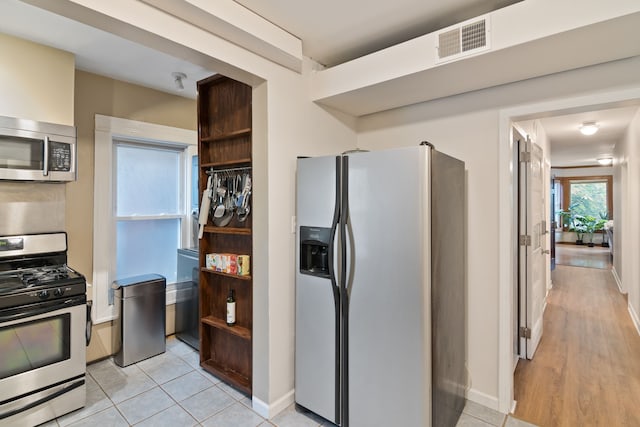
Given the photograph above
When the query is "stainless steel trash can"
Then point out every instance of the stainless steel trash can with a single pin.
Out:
(140, 325)
(187, 310)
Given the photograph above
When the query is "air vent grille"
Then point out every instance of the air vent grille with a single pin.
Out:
(449, 43)
(474, 36)
(463, 39)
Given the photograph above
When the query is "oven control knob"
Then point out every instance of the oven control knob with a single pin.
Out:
(43, 294)
(58, 292)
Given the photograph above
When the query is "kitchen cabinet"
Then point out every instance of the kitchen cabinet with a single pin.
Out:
(224, 133)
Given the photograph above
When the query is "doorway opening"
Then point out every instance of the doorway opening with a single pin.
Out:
(509, 237)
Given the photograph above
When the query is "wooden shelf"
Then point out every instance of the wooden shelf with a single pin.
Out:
(219, 273)
(234, 378)
(239, 331)
(225, 142)
(231, 135)
(225, 163)
(226, 230)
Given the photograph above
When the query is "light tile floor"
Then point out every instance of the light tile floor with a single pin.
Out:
(172, 390)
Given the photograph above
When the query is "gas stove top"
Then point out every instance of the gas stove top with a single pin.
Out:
(55, 275)
(33, 269)
(39, 284)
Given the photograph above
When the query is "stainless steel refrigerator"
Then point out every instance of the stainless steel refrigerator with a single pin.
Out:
(380, 288)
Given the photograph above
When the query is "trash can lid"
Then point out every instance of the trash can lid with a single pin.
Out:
(138, 280)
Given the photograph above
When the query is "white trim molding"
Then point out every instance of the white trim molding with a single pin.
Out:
(269, 411)
(484, 399)
(616, 277)
(634, 317)
(104, 253)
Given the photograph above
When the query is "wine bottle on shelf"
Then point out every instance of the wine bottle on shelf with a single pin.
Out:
(231, 309)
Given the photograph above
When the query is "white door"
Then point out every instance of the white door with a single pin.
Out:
(532, 274)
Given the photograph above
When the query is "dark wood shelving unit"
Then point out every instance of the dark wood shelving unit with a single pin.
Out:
(233, 276)
(241, 162)
(235, 134)
(220, 324)
(224, 142)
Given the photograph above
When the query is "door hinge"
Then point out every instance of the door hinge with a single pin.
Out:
(525, 157)
(525, 332)
(525, 240)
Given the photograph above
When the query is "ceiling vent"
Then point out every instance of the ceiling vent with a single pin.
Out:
(464, 39)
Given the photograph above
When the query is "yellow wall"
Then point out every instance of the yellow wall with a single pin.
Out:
(101, 95)
(36, 82)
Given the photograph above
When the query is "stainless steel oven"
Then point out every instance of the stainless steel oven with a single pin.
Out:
(44, 330)
(36, 151)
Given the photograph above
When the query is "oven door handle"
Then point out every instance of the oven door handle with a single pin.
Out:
(45, 399)
(22, 312)
(89, 322)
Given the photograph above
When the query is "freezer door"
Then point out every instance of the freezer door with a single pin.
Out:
(387, 313)
(317, 340)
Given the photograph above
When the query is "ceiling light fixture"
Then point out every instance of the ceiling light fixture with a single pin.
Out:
(177, 80)
(589, 128)
(605, 161)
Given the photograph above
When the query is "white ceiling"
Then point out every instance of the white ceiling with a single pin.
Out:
(332, 32)
(336, 31)
(570, 148)
(99, 52)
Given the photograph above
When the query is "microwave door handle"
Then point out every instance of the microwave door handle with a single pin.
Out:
(45, 170)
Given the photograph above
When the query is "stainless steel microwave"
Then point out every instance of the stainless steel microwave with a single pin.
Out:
(37, 151)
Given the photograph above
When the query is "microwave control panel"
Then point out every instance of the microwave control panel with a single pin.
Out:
(59, 156)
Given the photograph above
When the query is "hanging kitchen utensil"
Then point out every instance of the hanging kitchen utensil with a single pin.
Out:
(228, 214)
(243, 211)
(204, 208)
(237, 195)
(218, 212)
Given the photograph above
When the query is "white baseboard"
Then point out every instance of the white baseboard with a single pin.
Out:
(634, 317)
(269, 411)
(617, 279)
(483, 399)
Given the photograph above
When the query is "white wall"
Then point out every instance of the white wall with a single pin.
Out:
(467, 127)
(620, 176)
(593, 171)
(627, 229)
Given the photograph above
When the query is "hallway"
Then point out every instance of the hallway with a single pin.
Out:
(586, 371)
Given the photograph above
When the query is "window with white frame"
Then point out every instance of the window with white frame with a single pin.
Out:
(149, 208)
(142, 203)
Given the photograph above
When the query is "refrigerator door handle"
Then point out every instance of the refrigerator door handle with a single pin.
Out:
(334, 230)
(350, 252)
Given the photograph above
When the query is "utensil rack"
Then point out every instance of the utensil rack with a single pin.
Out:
(228, 172)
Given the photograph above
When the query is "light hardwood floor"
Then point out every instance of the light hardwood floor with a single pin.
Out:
(586, 371)
(583, 256)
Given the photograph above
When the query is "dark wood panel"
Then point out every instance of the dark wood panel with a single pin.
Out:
(230, 352)
(235, 150)
(235, 379)
(239, 244)
(217, 290)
